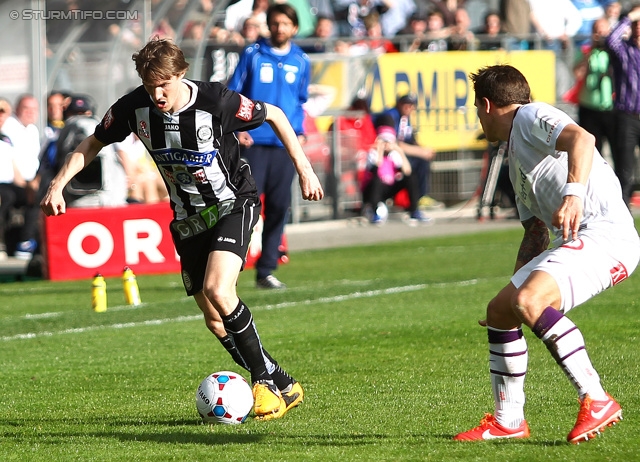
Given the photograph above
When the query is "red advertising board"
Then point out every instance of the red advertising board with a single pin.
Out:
(86, 241)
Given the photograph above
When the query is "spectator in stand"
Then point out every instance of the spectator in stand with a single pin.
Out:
(556, 28)
(420, 157)
(251, 30)
(237, 13)
(595, 80)
(516, 19)
(395, 18)
(435, 38)
(461, 37)
(490, 36)
(612, 12)
(278, 72)
(104, 181)
(387, 172)
(25, 138)
(589, 10)
(322, 8)
(625, 58)
(321, 37)
(557, 31)
(9, 176)
(416, 26)
(356, 129)
(163, 29)
(374, 41)
(56, 103)
(448, 9)
(350, 15)
(144, 182)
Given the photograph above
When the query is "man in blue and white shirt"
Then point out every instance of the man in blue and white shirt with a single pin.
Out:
(275, 71)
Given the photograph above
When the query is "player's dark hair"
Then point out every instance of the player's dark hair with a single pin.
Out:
(285, 9)
(503, 85)
(160, 59)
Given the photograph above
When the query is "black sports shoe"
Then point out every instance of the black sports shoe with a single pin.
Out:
(270, 282)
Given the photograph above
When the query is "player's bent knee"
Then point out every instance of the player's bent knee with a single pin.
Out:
(221, 298)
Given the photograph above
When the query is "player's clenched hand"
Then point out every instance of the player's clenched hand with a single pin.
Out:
(568, 217)
(310, 186)
(53, 203)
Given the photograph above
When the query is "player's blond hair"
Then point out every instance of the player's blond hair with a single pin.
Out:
(160, 59)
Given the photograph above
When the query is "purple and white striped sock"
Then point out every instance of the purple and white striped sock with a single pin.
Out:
(566, 344)
(508, 357)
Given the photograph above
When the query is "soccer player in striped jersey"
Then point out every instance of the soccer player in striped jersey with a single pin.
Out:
(188, 128)
(563, 186)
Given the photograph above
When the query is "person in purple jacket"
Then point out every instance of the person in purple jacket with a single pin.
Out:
(624, 49)
(275, 71)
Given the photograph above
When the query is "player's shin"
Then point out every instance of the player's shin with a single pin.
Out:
(229, 345)
(508, 357)
(565, 342)
(245, 335)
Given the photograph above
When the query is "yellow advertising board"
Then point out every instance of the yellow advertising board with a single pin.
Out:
(446, 116)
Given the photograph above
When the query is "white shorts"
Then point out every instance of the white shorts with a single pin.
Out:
(584, 267)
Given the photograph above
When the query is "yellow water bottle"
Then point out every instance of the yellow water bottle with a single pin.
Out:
(99, 294)
(130, 287)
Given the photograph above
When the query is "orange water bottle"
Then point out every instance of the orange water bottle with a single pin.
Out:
(130, 287)
(99, 294)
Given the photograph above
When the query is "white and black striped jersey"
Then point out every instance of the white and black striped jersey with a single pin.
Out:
(194, 148)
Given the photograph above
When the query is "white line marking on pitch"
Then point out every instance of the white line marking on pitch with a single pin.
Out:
(157, 322)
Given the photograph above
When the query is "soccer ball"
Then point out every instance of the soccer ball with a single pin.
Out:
(224, 397)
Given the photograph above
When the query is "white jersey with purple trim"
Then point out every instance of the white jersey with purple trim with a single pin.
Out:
(539, 172)
(194, 148)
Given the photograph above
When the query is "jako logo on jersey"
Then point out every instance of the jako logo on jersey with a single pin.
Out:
(171, 156)
(226, 239)
(171, 127)
(142, 130)
(245, 111)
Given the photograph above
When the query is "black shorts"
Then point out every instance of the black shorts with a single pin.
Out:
(231, 233)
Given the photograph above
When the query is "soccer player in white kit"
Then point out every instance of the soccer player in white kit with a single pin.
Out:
(564, 187)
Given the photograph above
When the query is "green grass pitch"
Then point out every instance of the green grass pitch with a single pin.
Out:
(384, 339)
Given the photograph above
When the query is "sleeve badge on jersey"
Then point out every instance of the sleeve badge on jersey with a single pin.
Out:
(245, 111)
(107, 120)
(143, 132)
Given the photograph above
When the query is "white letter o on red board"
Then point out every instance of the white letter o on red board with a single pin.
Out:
(105, 244)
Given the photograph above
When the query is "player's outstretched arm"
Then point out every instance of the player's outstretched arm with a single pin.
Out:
(309, 182)
(53, 203)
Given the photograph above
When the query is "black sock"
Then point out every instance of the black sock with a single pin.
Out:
(230, 346)
(279, 375)
(245, 336)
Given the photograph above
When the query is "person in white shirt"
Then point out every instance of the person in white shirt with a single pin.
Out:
(564, 187)
(21, 192)
(24, 135)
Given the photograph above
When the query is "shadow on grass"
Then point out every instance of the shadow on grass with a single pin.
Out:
(189, 432)
(506, 441)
